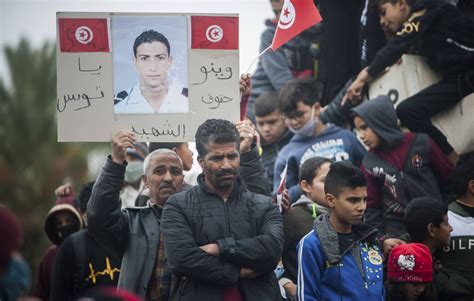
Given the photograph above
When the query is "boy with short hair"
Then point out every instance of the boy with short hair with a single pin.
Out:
(272, 128)
(298, 221)
(456, 277)
(340, 259)
(427, 223)
(438, 31)
(398, 167)
(299, 101)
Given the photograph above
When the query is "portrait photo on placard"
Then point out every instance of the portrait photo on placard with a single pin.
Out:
(150, 67)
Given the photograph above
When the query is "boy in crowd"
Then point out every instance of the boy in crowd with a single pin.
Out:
(299, 103)
(398, 167)
(299, 220)
(456, 277)
(410, 274)
(427, 223)
(340, 257)
(62, 220)
(438, 31)
(272, 128)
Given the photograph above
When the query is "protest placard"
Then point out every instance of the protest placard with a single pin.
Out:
(158, 75)
(413, 75)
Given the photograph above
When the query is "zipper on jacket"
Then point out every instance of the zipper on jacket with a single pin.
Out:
(226, 211)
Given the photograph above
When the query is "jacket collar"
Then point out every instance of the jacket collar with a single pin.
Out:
(327, 236)
(239, 186)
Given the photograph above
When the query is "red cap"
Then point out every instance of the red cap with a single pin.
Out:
(410, 263)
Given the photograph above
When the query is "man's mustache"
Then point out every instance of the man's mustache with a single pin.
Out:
(165, 185)
(226, 173)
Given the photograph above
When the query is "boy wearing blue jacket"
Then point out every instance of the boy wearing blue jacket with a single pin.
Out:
(340, 258)
(299, 101)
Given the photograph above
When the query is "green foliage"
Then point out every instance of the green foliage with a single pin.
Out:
(32, 162)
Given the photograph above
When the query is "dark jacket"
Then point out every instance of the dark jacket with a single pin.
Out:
(270, 153)
(455, 279)
(83, 263)
(297, 223)
(248, 229)
(438, 31)
(402, 167)
(135, 231)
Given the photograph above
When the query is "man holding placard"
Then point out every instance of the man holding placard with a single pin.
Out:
(154, 93)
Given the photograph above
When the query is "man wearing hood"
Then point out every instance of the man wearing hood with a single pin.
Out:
(398, 167)
(62, 220)
(299, 101)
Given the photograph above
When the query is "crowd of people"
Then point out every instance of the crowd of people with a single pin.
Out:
(303, 199)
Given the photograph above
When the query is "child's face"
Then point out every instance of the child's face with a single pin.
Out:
(315, 189)
(349, 206)
(414, 290)
(392, 15)
(368, 137)
(303, 113)
(271, 127)
(442, 233)
(64, 218)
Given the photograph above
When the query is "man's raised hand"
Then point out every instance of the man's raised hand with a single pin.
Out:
(120, 142)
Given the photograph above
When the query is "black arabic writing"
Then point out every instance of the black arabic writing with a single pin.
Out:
(218, 73)
(62, 103)
(218, 99)
(180, 131)
(87, 70)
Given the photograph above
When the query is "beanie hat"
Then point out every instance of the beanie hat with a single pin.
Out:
(68, 204)
(410, 263)
(10, 235)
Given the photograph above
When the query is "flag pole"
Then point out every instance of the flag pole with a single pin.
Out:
(255, 59)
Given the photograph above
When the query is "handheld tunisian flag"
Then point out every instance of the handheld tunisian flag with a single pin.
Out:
(295, 16)
(209, 32)
(83, 35)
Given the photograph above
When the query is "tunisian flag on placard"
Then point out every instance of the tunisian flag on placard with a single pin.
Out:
(83, 35)
(295, 16)
(208, 32)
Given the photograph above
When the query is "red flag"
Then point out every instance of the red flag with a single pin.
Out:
(83, 35)
(295, 16)
(209, 32)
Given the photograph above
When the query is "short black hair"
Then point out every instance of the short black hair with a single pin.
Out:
(310, 168)
(307, 90)
(85, 195)
(266, 104)
(463, 173)
(343, 175)
(375, 4)
(149, 36)
(421, 212)
(169, 145)
(215, 131)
